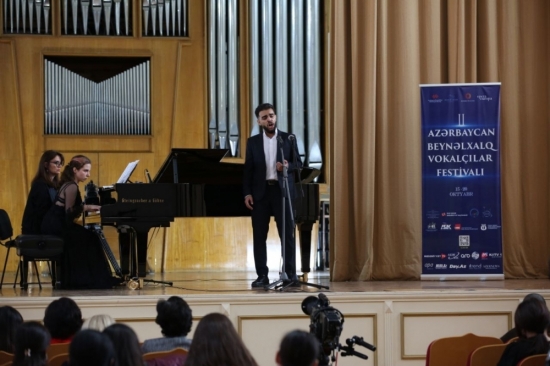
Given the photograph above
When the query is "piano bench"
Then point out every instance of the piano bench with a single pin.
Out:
(33, 248)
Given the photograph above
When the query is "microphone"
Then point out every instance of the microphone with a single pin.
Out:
(280, 139)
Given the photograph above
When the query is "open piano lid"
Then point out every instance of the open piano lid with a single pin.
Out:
(205, 166)
(192, 166)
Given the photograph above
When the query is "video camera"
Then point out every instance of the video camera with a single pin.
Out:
(327, 324)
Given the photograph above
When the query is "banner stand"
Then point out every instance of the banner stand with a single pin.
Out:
(461, 189)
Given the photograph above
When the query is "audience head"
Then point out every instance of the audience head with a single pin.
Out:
(126, 344)
(32, 340)
(77, 163)
(63, 318)
(535, 297)
(174, 317)
(10, 320)
(531, 318)
(49, 167)
(98, 322)
(216, 342)
(298, 348)
(91, 348)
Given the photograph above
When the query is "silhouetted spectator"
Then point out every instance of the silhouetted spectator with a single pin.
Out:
(32, 340)
(216, 342)
(63, 319)
(98, 322)
(91, 348)
(298, 348)
(511, 334)
(10, 319)
(532, 320)
(175, 319)
(126, 345)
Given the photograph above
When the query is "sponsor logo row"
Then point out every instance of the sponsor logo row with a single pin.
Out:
(442, 266)
(462, 255)
(474, 213)
(432, 226)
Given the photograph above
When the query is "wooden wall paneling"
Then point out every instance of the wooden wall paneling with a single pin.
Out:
(13, 178)
(190, 109)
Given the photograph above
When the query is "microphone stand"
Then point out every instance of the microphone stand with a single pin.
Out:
(284, 282)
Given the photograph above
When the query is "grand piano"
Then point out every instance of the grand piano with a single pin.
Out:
(193, 183)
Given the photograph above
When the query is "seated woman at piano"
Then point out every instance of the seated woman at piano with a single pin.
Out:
(44, 187)
(84, 264)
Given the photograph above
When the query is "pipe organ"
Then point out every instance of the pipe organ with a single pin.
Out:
(117, 105)
(160, 18)
(285, 57)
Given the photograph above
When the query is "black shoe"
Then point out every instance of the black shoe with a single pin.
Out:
(261, 281)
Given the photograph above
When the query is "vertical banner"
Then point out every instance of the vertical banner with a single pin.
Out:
(461, 216)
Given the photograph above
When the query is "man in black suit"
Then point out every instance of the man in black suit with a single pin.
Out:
(263, 187)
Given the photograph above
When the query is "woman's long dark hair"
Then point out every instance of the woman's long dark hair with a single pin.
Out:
(533, 316)
(10, 320)
(31, 341)
(126, 344)
(216, 342)
(42, 173)
(77, 162)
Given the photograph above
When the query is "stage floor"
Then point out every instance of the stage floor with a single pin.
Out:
(233, 282)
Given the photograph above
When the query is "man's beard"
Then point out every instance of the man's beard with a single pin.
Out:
(266, 129)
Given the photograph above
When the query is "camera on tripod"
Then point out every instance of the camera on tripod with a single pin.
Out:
(327, 324)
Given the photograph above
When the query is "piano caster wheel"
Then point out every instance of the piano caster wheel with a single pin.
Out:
(134, 284)
(303, 277)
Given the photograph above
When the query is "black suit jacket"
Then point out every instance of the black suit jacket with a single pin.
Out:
(255, 169)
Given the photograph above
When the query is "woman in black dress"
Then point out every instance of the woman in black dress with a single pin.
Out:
(43, 190)
(84, 264)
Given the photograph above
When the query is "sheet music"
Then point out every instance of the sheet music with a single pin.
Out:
(125, 176)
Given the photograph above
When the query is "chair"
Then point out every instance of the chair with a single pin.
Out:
(455, 351)
(5, 357)
(58, 360)
(6, 233)
(536, 360)
(487, 355)
(30, 248)
(57, 349)
(176, 356)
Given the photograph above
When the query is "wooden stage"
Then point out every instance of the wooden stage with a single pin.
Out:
(400, 317)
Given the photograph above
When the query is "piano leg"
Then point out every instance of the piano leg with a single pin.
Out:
(304, 230)
(141, 242)
(125, 243)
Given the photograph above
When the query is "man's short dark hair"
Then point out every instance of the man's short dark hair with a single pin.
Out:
(174, 317)
(63, 318)
(298, 348)
(264, 107)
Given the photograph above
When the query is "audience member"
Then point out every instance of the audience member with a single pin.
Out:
(298, 348)
(91, 348)
(216, 342)
(31, 342)
(532, 320)
(63, 319)
(10, 319)
(175, 319)
(126, 345)
(98, 322)
(511, 334)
